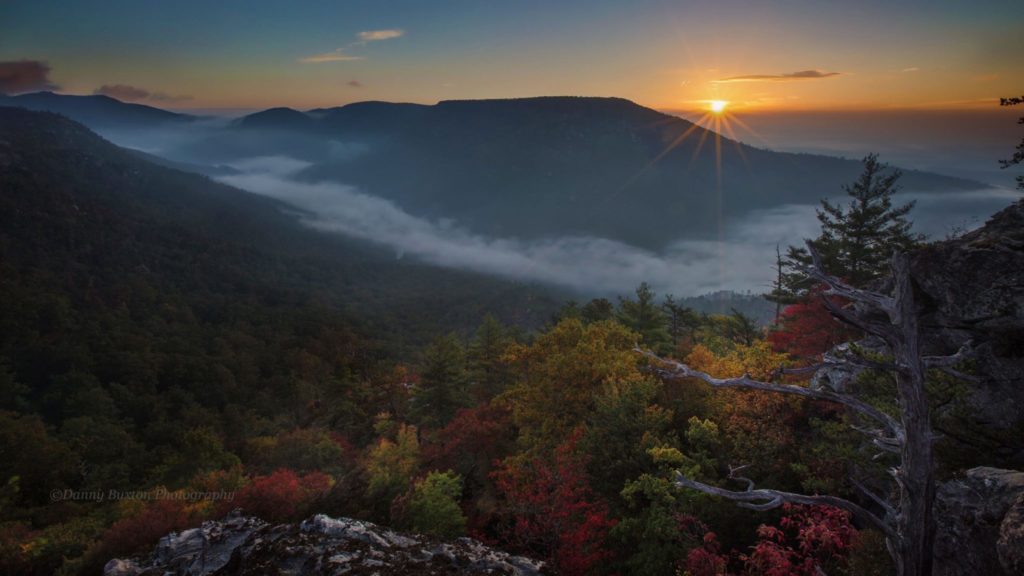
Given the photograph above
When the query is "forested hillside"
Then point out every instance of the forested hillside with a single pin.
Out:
(172, 348)
(154, 320)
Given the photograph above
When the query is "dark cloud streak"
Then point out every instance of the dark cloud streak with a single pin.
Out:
(19, 76)
(799, 75)
(135, 94)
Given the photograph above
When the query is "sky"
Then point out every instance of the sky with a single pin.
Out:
(769, 55)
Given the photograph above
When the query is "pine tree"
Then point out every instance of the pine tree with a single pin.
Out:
(683, 321)
(489, 372)
(645, 317)
(1018, 152)
(858, 239)
(443, 386)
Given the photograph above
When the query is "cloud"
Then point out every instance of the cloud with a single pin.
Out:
(800, 75)
(911, 69)
(128, 93)
(591, 265)
(336, 56)
(355, 83)
(122, 92)
(19, 76)
(585, 263)
(339, 55)
(375, 35)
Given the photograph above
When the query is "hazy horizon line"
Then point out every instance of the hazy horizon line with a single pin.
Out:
(977, 106)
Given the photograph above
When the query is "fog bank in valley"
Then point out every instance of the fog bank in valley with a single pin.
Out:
(741, 259)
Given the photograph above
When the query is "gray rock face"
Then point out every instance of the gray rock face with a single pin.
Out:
(979, 524)
(972, 289)
(1011, 538)
(240, 545)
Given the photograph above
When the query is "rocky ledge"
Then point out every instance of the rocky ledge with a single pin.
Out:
(980, 518)
(241, 545)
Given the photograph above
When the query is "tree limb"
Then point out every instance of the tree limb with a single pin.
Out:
(840, 288)
(680, 370)
(962, 354)
(764, 499)
(890, 512)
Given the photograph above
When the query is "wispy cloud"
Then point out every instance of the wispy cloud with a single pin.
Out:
(129, 93)
(355, 83)
(911, 69)
(375, 35)
(338, 55)
(25, 76)
(799, 75)
(364, 37)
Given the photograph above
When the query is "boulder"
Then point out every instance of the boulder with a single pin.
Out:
(971, 289)
(979, 524)
(241, 545)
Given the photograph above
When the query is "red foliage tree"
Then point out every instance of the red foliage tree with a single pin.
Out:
(706, 559)
(141, 531)
(554, 512)
(807, 329)
(282, 495)
(471, 442)
(809, 539)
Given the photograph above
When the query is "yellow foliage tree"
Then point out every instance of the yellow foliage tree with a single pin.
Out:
(562, 374)
(759, 425)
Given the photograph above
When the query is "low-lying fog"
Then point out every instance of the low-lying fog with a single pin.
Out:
(742, 260)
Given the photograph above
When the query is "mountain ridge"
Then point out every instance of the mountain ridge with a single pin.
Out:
(539, 168)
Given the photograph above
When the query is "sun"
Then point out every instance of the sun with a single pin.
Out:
(718, 106)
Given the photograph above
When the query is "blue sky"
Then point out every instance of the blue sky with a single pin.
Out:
(663, 54)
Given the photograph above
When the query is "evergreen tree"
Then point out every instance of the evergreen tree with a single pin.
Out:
(645, 317)
(597, 310)
(858, 239)
(489, 373)
(742, 329)
(443, 388)
(682, 321)
(1018, 152)
(674, 313)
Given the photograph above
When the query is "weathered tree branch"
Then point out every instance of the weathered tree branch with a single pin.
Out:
(840, 288)
(908, 523)
(890, 512)
(765, 499)
(680, 370)
(962, 354)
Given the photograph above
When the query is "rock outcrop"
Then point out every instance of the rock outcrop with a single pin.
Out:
(972, 289)
(980, 524)
(241, 545)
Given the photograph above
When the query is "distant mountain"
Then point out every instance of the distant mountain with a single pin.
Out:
(96, 111)
(544, 167)
(531, 168)
(726, 302)
(277, 119)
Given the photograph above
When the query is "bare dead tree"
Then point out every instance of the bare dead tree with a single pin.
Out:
(906, 519)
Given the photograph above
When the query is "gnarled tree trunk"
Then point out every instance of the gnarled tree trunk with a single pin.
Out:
(907, 520)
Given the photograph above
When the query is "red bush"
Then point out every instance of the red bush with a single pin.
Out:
(141, 531)
(281, 496)
(554, 512)
(808, 538)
